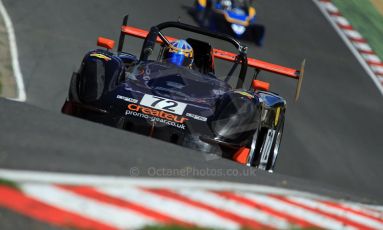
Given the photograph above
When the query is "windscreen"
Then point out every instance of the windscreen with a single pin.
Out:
(169, 79)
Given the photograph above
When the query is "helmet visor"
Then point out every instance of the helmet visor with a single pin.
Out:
(177, 59)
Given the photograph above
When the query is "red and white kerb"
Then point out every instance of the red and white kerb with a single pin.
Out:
(358, 45)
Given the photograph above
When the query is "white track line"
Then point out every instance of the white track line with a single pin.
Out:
(98, 180)
(325, 8)
(14, 55)
(109, 214)
(171, 207)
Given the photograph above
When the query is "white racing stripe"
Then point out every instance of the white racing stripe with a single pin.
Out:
(339, 212)
(14, 54)
(312, 217)
(171, 207)
(109, 214)
(221, 203)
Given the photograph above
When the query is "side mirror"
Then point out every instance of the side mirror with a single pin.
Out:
(106, 43)
(260, 85)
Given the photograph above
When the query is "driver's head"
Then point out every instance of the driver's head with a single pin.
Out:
(179, 53)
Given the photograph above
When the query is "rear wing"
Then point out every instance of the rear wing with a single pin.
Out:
(269, 67)
(224, 55)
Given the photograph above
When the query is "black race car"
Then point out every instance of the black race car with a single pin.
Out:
(189, 106)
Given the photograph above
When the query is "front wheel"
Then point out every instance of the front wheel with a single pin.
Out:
(275, 147)
(265, 147)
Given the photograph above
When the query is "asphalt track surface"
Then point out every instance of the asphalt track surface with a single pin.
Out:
(332, 135)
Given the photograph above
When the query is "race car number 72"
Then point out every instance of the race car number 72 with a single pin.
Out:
(164, 104)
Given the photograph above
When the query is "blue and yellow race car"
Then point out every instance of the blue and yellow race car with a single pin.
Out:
(234, 17)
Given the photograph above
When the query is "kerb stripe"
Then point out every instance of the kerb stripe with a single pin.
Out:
(266, 208)
(357, 220)
(299, 212)
(90, 192)
(329, 215)
(366, 213)
(179, 210)
(19, 202)
(89, 208)
(219, 202)
(231, 216)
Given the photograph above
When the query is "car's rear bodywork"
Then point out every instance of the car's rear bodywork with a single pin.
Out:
(189, 107)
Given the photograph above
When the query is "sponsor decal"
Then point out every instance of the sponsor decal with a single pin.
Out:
(156, 116)
(197, 117)
(128, 99)
(155, 119)
(101, 56)
(164, 104)
(157, 113)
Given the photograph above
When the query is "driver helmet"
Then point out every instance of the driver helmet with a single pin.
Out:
(179, 53)
(226, 4)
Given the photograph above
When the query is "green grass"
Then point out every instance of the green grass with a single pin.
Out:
(366, 19)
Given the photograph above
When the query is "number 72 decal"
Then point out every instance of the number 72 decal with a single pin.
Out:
(164, 104)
